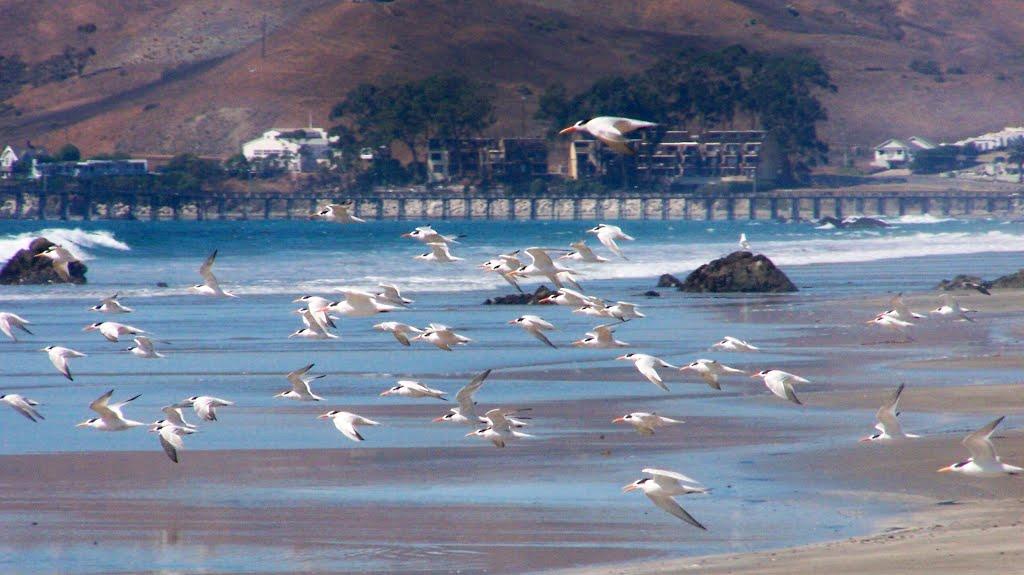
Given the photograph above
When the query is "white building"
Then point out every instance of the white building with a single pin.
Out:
(298, 150)
(12, 155)
(993, 140)
(896, 153)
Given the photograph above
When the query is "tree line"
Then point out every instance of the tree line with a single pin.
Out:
(698, 90)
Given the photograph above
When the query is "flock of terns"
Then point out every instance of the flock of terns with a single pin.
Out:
(500, 426)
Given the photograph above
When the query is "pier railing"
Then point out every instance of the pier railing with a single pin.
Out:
(18, 203)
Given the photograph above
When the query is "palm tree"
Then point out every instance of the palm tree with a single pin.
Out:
(1015, 149)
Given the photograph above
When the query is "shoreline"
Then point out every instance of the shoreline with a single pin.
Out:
(951, 524)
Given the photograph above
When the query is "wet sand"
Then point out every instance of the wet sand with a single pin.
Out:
(303, 508)
(953, 524)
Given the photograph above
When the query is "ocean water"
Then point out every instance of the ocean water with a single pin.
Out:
(238, 349)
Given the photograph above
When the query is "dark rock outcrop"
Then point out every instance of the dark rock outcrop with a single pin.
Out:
(960, 283)
(25, 268)
(669, 280)
(1010, 281)
(651, 293)
(738, 272)
(521, 298)
(854, 223)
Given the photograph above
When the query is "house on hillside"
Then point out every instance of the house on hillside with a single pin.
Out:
(296, 150)
(895, 153)
(12, 156)
(992, 140)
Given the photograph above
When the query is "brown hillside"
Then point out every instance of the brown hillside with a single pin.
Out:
(180, 76)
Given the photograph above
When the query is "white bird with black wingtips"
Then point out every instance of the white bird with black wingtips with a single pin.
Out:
(888, 426)
(10, 322)
(61, 258)
(392, 295)
(442, 336)
(339, 213)
(465, 411)
(111, 330)
(410, 388)
(645, 423)
(535, 326)
(111, 417)
(710, 370)
(648, 366)
(171, 437)
(781, 383)
(60, 358)
(111, 305)
(300, 385)
(983, 462)
(210, 285)
(730, 343)
(144, 348)
(205, 406)
(662, 486)
(440, 253)
(347, 422)
(602, 337)
(22, 405)
(401, 331)
(607, 234)
(581, 252)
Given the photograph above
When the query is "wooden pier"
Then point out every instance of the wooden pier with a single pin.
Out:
(427, 205)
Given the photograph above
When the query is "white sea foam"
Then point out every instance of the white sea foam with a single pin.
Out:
(914, 219)
(75, 240)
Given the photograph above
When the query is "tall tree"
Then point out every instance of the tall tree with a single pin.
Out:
(1015, 154)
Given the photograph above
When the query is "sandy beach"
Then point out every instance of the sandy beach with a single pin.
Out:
(952, 524)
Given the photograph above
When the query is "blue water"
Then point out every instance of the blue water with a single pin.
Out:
(238, 349)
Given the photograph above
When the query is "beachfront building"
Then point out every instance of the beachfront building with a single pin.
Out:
(296, 150)
(486, 159)
(12, 156)
(895, 153)
(680, 154)
(992, 140)
(93, 169)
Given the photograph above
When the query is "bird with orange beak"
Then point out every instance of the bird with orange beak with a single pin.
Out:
(983, 462)
(611, 130)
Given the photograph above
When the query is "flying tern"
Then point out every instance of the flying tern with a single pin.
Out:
(600, 338)
(645, 423)
(730, 343)
(9, 322)
(144, 348)
(611, 130)
(983, 462)
(60, 356)
(410, 388)
(300, 385)
(662, 486)
(581, 252)
(62, 260)
(781, 383)
(22, 405)
(535, 326)
(888, 426)
(111, 305)
(347, 422)
(607, 234)
(205, 406)
(210, 285)
(339, 213)
(110, 417)
(710, 370)
(442, 336)
(465, 411)
(400, 330)
(647, 366)
(440, 253)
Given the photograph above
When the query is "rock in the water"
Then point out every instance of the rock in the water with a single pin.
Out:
(959, 283)
(853, 223)
(1011, 281)
(738, 272)
(521, 298)
(25, 268)
(652, 293)
(669, 280)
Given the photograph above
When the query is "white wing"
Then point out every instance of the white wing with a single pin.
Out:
(670, 474)
(668, 504)
(979, 444)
